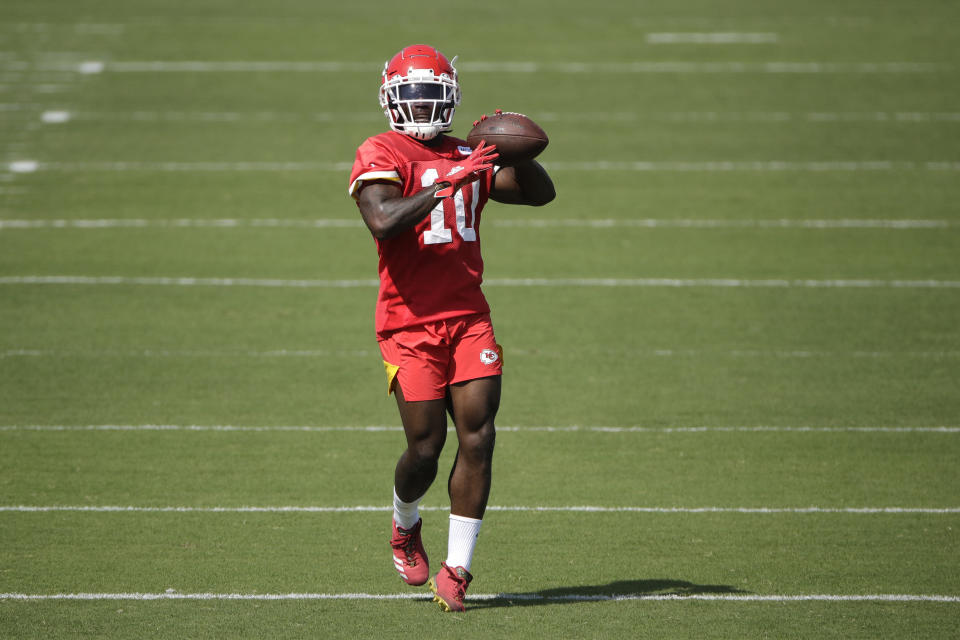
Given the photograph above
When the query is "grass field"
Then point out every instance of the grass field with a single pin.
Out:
(732, 343)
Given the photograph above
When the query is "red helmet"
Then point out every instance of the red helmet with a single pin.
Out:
(419, 74)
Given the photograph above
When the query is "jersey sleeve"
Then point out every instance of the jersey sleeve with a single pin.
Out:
(374, 162)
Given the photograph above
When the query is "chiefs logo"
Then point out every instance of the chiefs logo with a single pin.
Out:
(489, 356)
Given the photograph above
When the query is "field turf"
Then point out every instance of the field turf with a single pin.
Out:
(732, 344)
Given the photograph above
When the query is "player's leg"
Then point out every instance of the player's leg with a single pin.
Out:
(425, 426)
(474, 393)
(416, 375)
(474, 404)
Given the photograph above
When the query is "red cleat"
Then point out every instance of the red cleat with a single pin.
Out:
(409, 557)
(450, 587)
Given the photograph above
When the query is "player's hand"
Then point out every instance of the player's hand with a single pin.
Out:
(468, 170)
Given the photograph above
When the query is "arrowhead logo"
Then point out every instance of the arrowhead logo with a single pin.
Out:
(456, 169)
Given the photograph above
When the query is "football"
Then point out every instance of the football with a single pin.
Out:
(517, 137)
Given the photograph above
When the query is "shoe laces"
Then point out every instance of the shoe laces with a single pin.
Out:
(409, 548)
(459, 584)
(408, 544)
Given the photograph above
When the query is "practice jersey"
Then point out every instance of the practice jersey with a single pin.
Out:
(433, 270)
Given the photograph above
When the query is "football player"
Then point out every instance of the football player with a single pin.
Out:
(421, 193)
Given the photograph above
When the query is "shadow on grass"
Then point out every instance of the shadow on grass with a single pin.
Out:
(622, 589)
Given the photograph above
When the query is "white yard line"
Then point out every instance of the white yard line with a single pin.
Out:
(186, 353)
(60, 116)
(533, 223)
(643, 166)
(491, 66)
(31, 166)
(725, 283)
(83, 28)
(225, 223)
(55, 116)
(187, 282)
(722, 283)
(518, 351)
(694, 223)
(726, 166)
(507, 429)
(712, 37)
(525, 509)
(535, 597)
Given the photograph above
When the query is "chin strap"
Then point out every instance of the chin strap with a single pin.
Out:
(420, 132)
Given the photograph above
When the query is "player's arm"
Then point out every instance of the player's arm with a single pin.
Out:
(526, 183)
(386, 212)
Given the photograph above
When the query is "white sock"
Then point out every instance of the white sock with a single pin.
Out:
(405, 514)
(462, 540)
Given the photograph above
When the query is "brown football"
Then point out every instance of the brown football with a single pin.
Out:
(517, 137)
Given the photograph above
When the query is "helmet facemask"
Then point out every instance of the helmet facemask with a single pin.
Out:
(421, 103)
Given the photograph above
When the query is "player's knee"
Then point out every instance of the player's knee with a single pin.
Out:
(426, 452)
(415, 464)
(480, 442)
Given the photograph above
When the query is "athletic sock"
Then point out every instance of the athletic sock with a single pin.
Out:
(405, 514)
(462, 540)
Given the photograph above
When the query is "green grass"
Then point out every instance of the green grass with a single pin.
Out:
(207, 469)
(838, 360)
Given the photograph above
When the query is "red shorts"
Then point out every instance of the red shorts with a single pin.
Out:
(425, 359)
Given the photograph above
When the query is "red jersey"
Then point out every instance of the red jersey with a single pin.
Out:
(433, 270)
